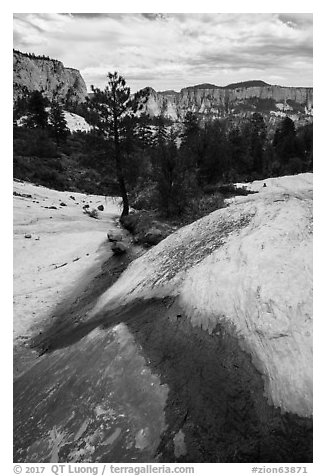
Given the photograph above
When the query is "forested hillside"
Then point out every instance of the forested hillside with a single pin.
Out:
(177, 168)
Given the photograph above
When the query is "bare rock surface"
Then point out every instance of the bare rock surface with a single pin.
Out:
(249, 265)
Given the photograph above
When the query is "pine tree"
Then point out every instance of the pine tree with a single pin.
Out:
(285, 140)
(144, 133)
(165, 168)
(58, 122)
(257, 141)
(190, 129)
(111, 106)
(161, 132)
(216, 155)
(191, 143)
(37, 114)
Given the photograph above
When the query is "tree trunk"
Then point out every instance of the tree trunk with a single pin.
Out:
(123, 191)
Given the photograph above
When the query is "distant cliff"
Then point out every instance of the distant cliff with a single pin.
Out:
(216, 101)
(41, 73)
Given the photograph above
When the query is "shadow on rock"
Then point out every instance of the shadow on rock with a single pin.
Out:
(216, 409)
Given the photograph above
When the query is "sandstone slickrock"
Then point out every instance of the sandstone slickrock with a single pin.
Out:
(202, 346)
(48, 75)
(248, 265)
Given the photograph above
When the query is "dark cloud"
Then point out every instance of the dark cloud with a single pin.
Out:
(267, 54)
(153, 16)
(296, 19)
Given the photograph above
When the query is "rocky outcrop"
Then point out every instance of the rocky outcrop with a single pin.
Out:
(216, 101)
(44, 74)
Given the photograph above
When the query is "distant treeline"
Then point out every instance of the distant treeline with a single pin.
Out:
(34, 56)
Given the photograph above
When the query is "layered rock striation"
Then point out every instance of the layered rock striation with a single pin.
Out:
(218, 101)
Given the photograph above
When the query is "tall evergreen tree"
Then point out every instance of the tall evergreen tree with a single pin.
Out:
(144, 132)
(58, 122)
(191, 145)
(190, 129)
(161, 132)
(169, 175)
(238, 155)
(37, 114)
(285, 140)
(257, 141)
(215, 160)
(112, 105)
(305, 145)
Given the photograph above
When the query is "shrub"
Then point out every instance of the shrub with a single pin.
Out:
(201, 206)
(50, 178)
(145, 197)
(47, 172)
(34, 142)
(231, 190)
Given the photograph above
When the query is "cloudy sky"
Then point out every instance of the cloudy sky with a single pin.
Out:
(172, 51)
